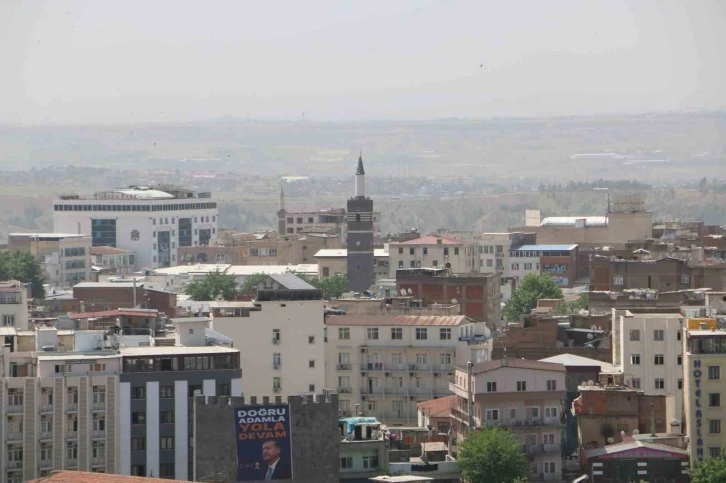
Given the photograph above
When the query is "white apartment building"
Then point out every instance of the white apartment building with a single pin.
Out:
(493, 250)
(433, 252)
(382, 366)
(150, 222)
(523, 396)
(281, 340)
(78, 401)
(65, 257)
(648, 349)
(13, 305)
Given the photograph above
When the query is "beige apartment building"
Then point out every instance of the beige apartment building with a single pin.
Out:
(703, 388)
(13, 305)
(65, 258)
(523, 396)
(280, 338)
(384, 365)
(459, 256)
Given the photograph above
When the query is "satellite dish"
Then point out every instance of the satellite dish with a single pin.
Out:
(636, 432)
(594, 327)
(448, 265)
(410, 292)
(590, 336)
(611, 440)
(403, 292)
(590, 382)
(454, 301)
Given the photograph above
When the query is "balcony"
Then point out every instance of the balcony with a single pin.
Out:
(45, 464)
(99, 434)
(523, 423)
(15, 464)
(474, 338)
(72, 435)
(343, 367)
(72, 407)
(98, 461)
(372, 366)
(15, 436)
(98, 406)
(534, 449)
(15, 409)
(46, 435)
(344, 390)
(46, 408)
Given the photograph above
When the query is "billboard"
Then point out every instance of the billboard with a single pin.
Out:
(264, 442)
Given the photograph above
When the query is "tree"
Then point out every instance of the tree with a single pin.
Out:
(213, 286)
(710, 470)
(531, 289)
(491, 455)
(22, 266)
(251, 282)
(332, 287)
(574, 306)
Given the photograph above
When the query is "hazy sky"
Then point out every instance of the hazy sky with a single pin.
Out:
(156, 60)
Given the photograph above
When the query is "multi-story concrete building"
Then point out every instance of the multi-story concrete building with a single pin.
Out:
(616, 275)
(86, 401)
(521, 395)
(454, 255)
(647, 348)
(383, 366)
(335, 262)
(281, 339)
(112, 260)
(478, 294)
(359, 237)
(13, 305)
(558, 261)
(151, 222)
(493, 250)
(65, 257)
(705, 354)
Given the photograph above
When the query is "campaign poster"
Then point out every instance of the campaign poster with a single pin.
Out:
(264, 442)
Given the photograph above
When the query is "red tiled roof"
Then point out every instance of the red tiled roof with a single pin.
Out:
(84, 477)
(516, 363)
(108, 251)
(440, 407)
(394, 320)
(431, 240)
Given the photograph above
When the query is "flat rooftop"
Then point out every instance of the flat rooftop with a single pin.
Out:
(49, 236)
(175, 350)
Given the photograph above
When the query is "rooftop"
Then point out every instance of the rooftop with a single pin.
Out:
(571, 221)
(291, 281)
(331, 253)
(245, 270)
(116, 313)
(546, 248)
(108, 285)
(230, 304)
(85, 477)
(515, 363)
(198, 268)
(109, 251)
(49, 236)
(437, 407)
(173, 350)
(572, 360)
(631, 445)
(396, 320)
(430, 240)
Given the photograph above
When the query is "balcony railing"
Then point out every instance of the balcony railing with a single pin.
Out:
(542, 448)
(343, 367)
(344, 390)
(15, 464)
(523, 423)
(46, 435)
(72, 407)
(46, 408)
(372, 366)
(15, 408)
(474, 338)
(98, 461)
(98, 406)
(45, 463)
(98, 434)
(15, 436)
(72, 435)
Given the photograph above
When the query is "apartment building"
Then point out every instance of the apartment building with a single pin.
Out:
(458, 256)
(523, 396)
(704, 348)
(112, 260)
(85, 401)
(383, 366)
(647, 348)
(280, 337)
(558, 261)
(152, 222)
(65, 258)
(494, 248)
(13, 305)
(615, 275)
(335, 262)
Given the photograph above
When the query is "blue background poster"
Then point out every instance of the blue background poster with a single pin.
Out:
(264, 442)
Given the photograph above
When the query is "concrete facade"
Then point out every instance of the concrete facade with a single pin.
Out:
(315, 436)
(615, 275)
(359, 236)
(13, 305)
(455, 255)
(65, 258)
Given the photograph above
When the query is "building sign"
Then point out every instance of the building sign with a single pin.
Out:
(697, 374)
(264, 449)
(114, 195)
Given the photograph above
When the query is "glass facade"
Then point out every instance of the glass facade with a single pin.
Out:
(103, 232)
(185, 232)
(164, 249)
(204, 235)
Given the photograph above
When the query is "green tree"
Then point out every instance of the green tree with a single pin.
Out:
(573, 306)
(491, 455)
(531, 288)
(251, 282)
(710, 470)
(213, 286)
(22, 266)
(332, 287)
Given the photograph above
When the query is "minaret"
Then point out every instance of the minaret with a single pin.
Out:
(281, 213)
(359, 236)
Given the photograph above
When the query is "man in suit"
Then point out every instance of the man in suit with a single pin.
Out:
(276, 469)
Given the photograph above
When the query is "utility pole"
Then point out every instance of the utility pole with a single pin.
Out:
(469, 396)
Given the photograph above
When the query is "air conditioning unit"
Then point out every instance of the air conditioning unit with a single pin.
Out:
(276, 341)
(275, 389)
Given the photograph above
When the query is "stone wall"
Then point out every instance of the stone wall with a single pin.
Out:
(315, 437)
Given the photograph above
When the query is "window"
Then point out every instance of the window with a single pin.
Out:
(685, 279)
(550, 467)
(276, 336)
(344, 333)
(412, 251)
(166, 471)
(397, 360)
(421, 334)
(326, 271)
(492, 415)
(311, 387)
(714, 451)
(8, 321)
(714, 399)
(311, 364)
(276, 360)
(618, 280)
(636, 383)
(166, 417)
(679, 359)
(714, 426)
(166, 442)
(72, 450)
(99, 395)
(634, 334)
(550, 412)
(138, 392)
(138, 470)
(99, 422)
(659, 383)
(446, 251)
(425, 250)
(680, 383)
(658, 359)
(521, 385)
(224, 389)
(445, 359)
(445, 334)
(400, 264)
(714, 372)
(421, 358)
(311, 339)
(98, 449)
(678, 335)
(166, 392)
(552, 385)
(397, 333)
(372, 406)
(138, 444)
(528, 266)
(138, 418)
(346, 463)
(491, 387)
(515, 266)
(276, 384)
(343, 358)
(370, 462)
(635, 359)
(372, 333)
(658, 334)
(489, 263)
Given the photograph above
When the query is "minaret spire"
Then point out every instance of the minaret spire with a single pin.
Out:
(360, 178)
(282, 198)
